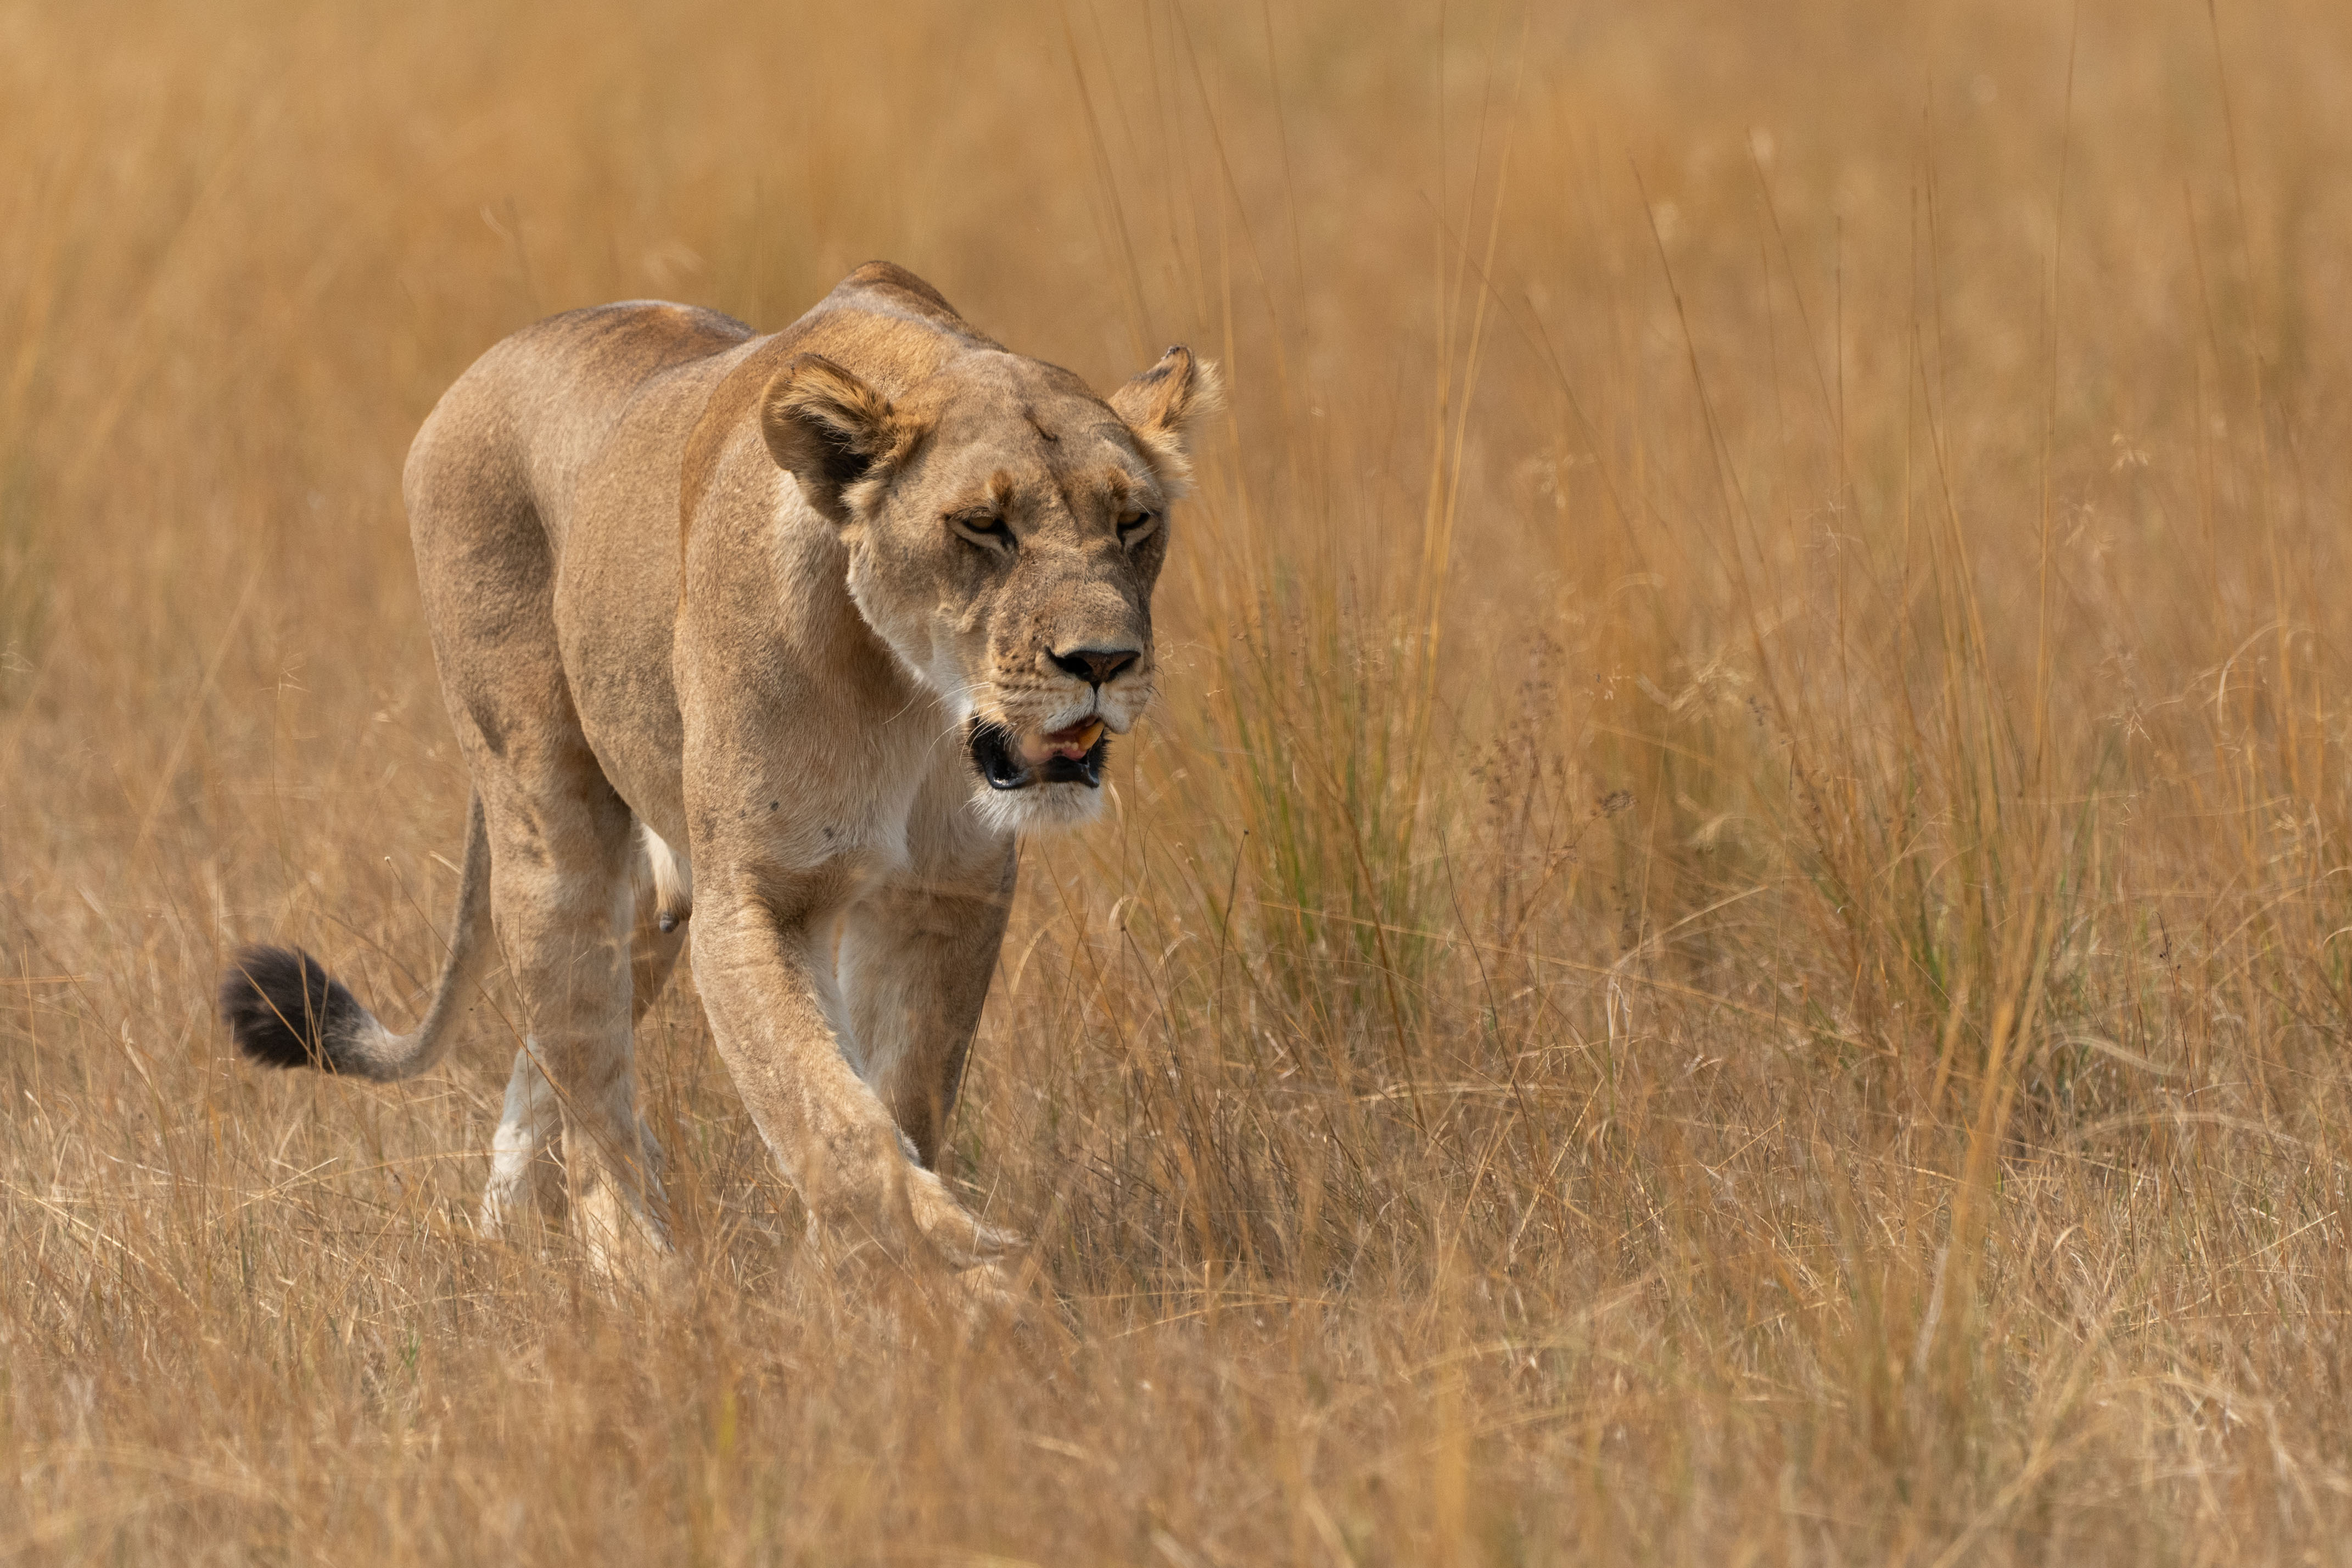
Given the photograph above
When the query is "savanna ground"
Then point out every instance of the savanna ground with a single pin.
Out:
(1732, 942)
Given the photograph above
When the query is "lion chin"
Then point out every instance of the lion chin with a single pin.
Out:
(1036, 785)
(1038, 808)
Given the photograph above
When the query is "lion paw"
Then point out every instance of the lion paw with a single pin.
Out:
(958, 1236)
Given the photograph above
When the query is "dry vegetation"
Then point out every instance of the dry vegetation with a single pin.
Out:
(1730, 944)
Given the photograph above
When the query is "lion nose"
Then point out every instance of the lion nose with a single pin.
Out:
(1095, 666)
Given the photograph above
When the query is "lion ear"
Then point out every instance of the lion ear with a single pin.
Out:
(1165, 404)
(829, 430)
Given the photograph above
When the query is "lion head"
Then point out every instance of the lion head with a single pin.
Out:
(1006, 528)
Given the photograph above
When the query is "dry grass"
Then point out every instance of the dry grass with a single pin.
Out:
(1729, 947)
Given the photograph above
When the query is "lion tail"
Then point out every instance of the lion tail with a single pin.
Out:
(287, 1011)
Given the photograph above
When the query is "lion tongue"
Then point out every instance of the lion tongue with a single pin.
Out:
(1073, 743)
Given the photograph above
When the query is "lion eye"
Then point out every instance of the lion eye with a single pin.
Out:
(981, 526)
(1134, 525)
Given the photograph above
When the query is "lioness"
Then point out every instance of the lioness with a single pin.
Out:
(791, 634)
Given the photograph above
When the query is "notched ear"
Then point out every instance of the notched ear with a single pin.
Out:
(1164, 405)
(830, 430)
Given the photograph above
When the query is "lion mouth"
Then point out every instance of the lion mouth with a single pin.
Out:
(1009, 761)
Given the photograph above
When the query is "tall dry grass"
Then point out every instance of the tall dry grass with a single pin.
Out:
(1731, 946)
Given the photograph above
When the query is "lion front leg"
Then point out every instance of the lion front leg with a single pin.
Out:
(765, 982)
(914, 968)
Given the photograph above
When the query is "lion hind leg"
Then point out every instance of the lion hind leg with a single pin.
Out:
(526, 1173)
(566, 909)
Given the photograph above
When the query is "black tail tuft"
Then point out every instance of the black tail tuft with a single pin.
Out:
(287, 1011)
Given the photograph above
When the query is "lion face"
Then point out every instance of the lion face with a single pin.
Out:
(1005, 529)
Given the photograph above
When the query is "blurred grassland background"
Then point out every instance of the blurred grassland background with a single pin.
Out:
(1731, 944)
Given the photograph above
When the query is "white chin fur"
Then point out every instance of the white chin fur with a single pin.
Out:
(1040, 809)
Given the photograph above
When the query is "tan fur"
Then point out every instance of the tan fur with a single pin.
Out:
(738, 589)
